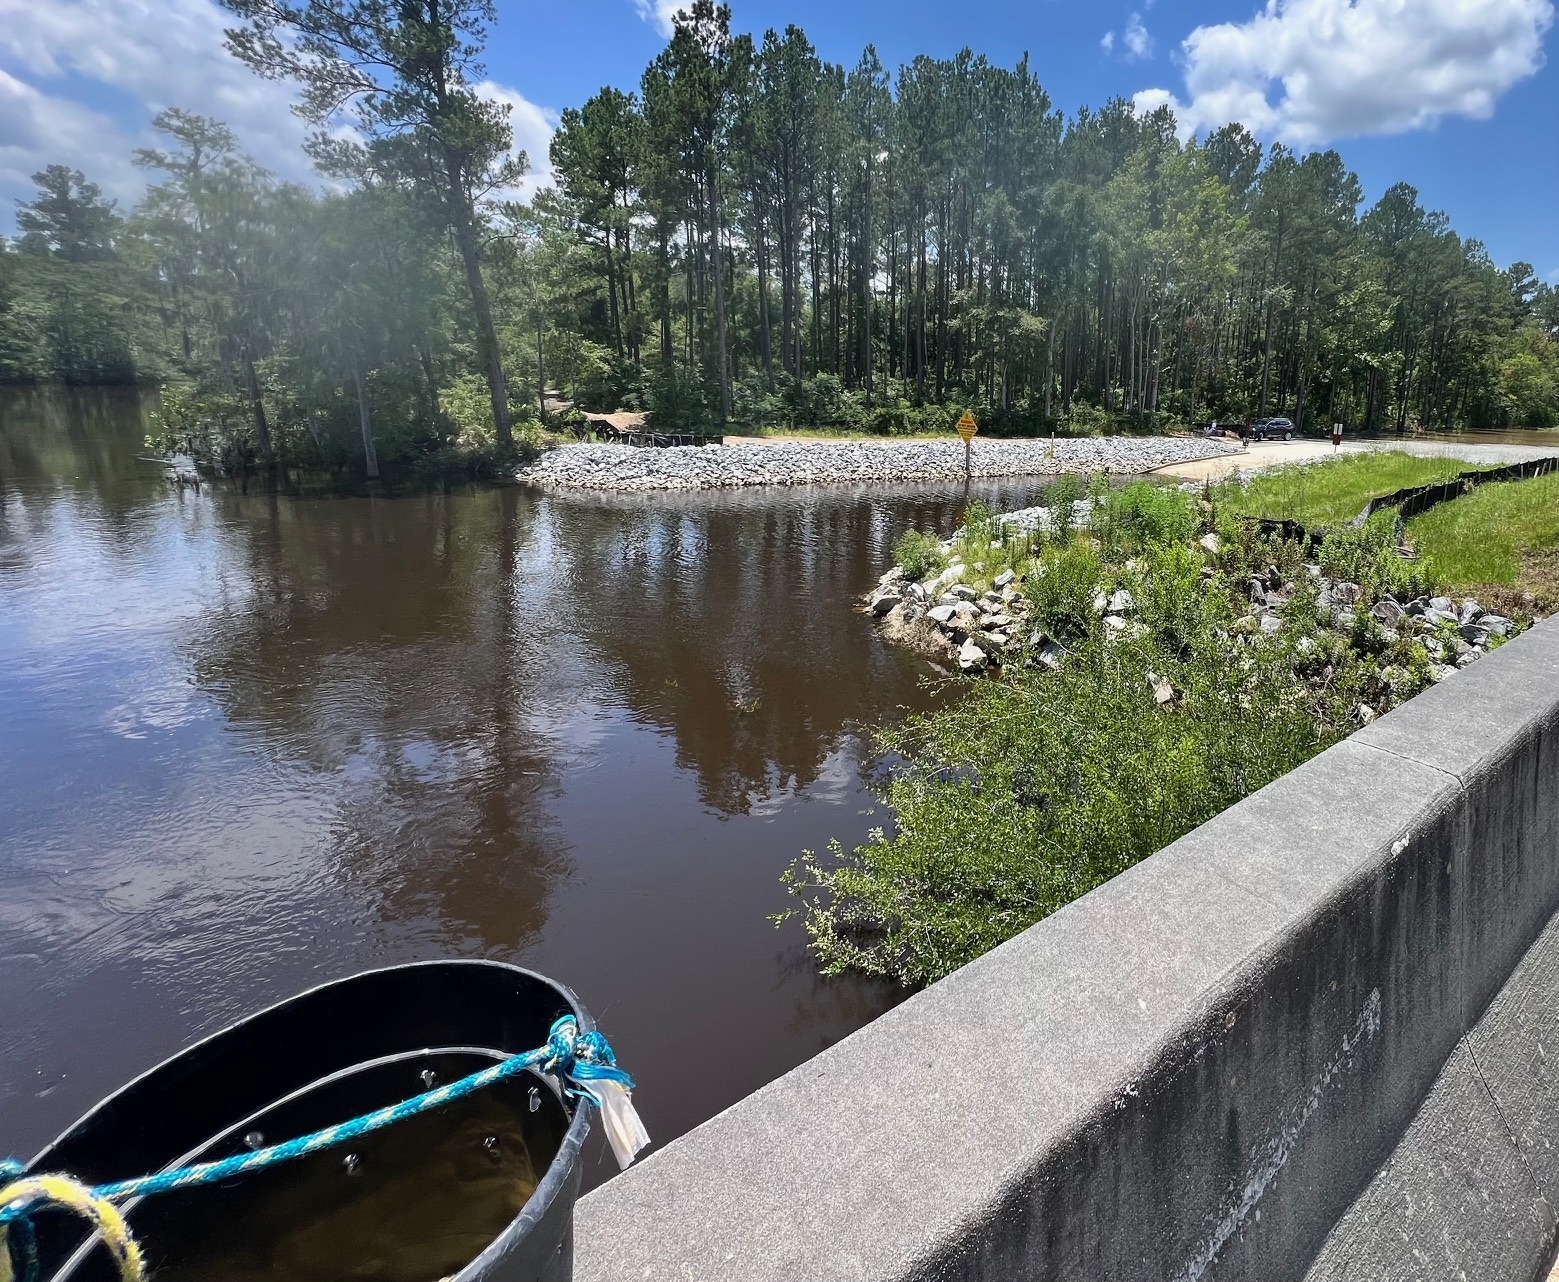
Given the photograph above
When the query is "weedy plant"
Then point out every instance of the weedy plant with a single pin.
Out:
(919, 554)
(1030, 792)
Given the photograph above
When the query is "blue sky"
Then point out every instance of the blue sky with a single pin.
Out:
(1456, 97)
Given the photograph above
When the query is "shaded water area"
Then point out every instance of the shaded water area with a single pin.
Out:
(254, 742)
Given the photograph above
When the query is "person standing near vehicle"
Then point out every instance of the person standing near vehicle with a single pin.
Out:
(1336, 437)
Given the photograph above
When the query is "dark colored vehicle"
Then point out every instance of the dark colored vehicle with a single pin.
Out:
(1267, 429)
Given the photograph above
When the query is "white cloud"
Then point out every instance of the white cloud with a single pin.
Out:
(1108, 42)
(156, 53)
(1139, 44)
(36, 130)
(1308, 71)
(658, 13)
(151, 54)
(533, 128)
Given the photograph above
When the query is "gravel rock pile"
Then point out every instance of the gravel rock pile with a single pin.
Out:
(972, 630)
(692, 467)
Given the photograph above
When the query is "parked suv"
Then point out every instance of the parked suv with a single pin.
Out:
(1267, 429)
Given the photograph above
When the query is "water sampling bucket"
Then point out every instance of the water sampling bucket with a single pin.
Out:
(479, 1189)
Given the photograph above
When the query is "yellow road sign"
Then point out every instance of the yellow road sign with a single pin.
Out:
(967, 426)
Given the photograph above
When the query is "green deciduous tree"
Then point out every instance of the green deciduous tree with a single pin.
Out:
(405, 73)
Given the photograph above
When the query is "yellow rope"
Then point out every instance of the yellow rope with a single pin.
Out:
(59, 1190)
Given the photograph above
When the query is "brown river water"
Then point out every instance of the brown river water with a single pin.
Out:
(249, 743)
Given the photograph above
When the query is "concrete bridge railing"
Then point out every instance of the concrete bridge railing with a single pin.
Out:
(1311, 1039)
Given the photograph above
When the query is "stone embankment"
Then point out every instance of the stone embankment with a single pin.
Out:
(619, 467)
(945, 618)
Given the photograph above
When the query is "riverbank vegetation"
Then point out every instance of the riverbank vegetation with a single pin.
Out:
(1156, 667)
(754, 237)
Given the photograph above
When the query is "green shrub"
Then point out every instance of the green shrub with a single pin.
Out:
(1062, 590)
(677, 399)
(1169, 598)
(1367, 555)
(1032, 791)
(979, 531)
(1085, 420)
(1060, 500)
(1143, 514)
(918, 555)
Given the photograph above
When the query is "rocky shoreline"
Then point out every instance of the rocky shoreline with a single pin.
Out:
(625, 468)
(945, 619)
(973, 628)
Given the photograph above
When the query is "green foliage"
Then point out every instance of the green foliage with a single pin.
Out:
(980, 530)
(465, 404)
(1060, 501)
(1526, 375)
(1367, 555)
(677, 399)
(1083, 419)
(1171, 598)
(734, 245)
(1062, 588)
(902, 418)
(69, 219)
(918, 555)
(1025, 792)
(1144, 514)
(1030, 792)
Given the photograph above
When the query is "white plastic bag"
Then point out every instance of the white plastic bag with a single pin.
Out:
(624, 1131)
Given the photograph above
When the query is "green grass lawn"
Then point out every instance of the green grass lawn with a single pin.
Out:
(1504, 534)
(1334, 491)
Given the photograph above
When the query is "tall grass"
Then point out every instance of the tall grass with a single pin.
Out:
(1334, 491)
(1481, 537)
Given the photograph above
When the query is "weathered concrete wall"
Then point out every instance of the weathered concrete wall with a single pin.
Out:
(1197, 1070)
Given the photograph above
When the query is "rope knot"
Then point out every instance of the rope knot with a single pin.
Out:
(561, 1041)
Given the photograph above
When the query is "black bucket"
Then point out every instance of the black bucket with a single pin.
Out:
(479, 1190)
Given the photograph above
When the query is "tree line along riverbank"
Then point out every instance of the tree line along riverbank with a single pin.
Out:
(751, 235)
(1157, 656)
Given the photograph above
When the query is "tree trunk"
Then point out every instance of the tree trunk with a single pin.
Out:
(867, 248)
(666, 353)
(611, 293)
(765, 341)
(370, 454)
(486, 334)
(262, 427)
(920, 312)
(722, 361)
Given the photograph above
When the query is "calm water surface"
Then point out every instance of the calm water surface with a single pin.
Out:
(251, 743)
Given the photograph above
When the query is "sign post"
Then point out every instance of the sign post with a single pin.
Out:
(966, 429)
